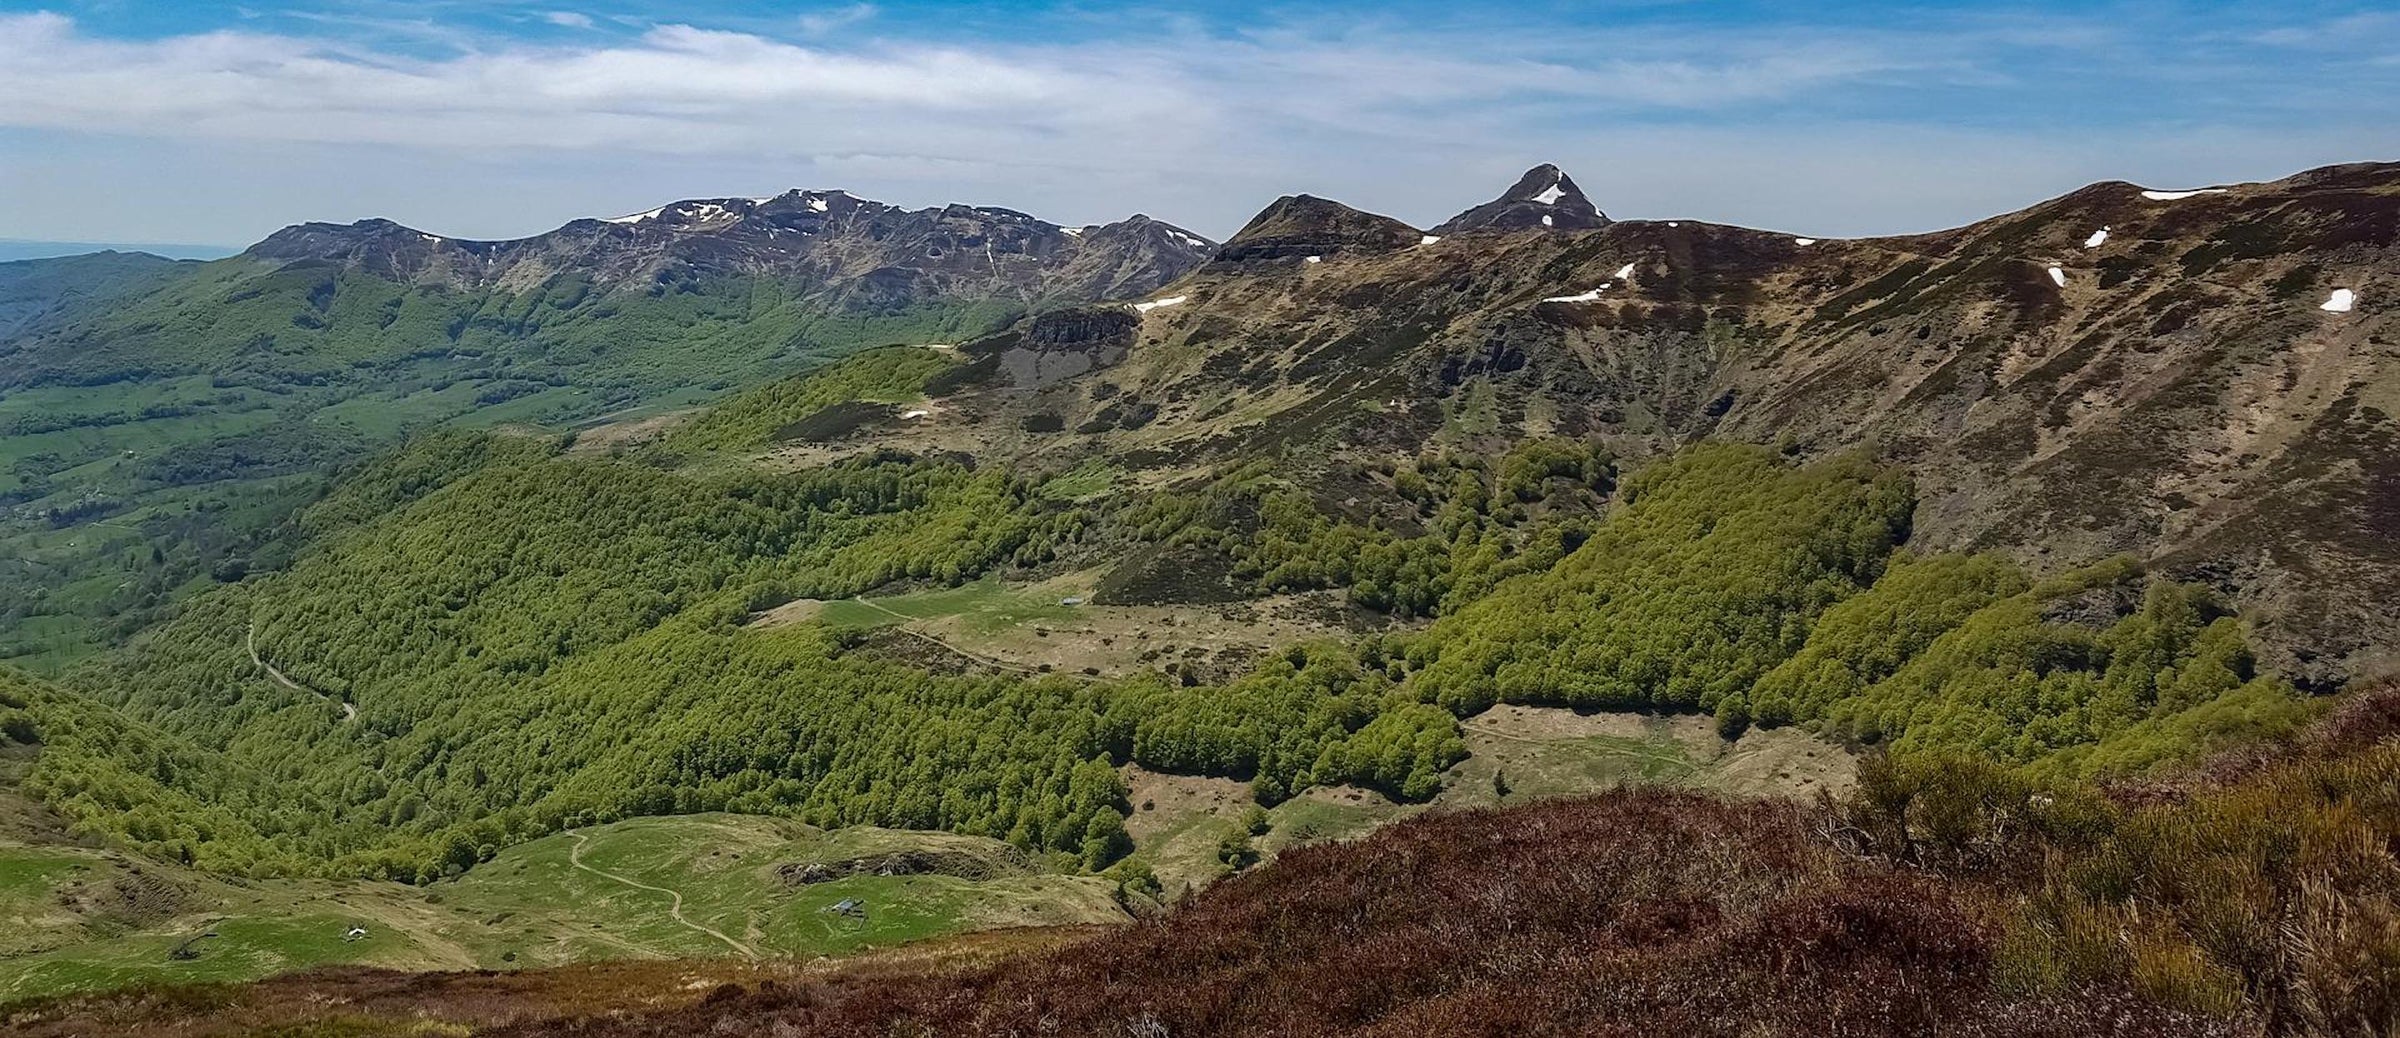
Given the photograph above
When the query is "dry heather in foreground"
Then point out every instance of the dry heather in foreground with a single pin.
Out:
(2258, 895)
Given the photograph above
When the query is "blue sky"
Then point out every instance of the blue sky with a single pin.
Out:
(126, 120)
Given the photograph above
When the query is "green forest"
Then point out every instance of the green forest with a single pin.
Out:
(531, 639)
(159, 422)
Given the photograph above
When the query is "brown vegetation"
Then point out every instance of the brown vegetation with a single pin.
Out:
(1645, 912)
(2256, 897)
(2259, 895)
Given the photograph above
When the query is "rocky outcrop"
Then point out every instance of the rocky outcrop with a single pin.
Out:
(1063, 344)
(1545, 198)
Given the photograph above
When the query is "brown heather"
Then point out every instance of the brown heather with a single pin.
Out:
(1638, 913)
(2258, 895)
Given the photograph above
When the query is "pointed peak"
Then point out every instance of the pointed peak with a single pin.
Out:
(1545, 198)
(1305, 225)
(1144, 224)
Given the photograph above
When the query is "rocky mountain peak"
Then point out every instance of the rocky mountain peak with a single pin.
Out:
(862, 251)
(1305, 225)
(381, 247)
(1545, 198)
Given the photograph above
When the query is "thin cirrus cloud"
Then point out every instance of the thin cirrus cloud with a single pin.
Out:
(679, 88)
(1884, 124)
(672, 78)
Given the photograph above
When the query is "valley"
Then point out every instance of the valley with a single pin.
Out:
(158, 419)
(752, 582)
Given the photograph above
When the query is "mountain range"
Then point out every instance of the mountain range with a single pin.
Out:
(2163, 373)
(857, 252)
(148, 388)
(879, 621)
(2200, 379)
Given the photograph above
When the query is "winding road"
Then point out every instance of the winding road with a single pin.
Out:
(250, 641)
(675, 910)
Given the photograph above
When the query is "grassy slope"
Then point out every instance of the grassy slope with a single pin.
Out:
(530, 906)
(1537, 753)
(40, 292)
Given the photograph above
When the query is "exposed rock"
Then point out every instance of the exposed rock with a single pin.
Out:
(926, 862)
(1545, 198)
(863, 254)
(1063, 344)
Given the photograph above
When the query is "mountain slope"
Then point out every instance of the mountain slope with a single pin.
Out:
(693, 292)
(1942, 900)
(137, 395)
(37, 293)
(1471, 457)
(2176, 387)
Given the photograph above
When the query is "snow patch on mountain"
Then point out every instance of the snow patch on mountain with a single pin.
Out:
(2172, 196)
(2340, 302)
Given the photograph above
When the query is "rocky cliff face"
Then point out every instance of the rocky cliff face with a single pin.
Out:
(858, 251)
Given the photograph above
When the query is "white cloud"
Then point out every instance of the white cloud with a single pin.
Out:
(569, 19)
(683, 89)
(819, 23)
(674, 76)
(490, 136)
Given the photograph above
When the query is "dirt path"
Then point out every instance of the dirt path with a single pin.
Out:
(250, 641)
(906, 620)
(575, 858)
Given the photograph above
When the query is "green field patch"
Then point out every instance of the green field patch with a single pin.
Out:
(28, 875)
(533, 905)
(1089, 481)
(987, 604)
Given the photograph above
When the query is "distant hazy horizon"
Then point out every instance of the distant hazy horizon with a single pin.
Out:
(12, 249)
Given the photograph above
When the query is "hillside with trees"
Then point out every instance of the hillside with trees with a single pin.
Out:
(371, 558)
(489, 639)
